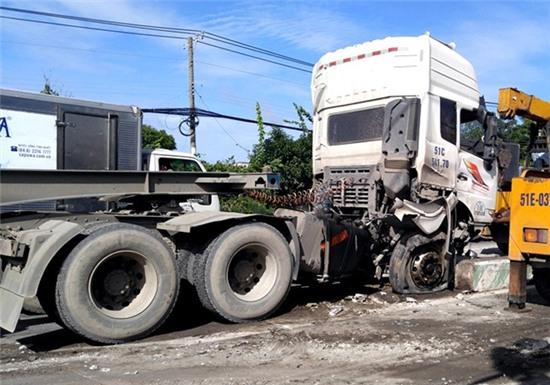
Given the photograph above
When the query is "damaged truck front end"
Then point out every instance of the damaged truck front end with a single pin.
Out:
(368, 215)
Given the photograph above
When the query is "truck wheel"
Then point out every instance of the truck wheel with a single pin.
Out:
(245, 273)
(118, 284)
(417, 265)
(541, 277)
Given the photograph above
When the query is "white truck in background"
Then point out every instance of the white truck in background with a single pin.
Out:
(169, 160)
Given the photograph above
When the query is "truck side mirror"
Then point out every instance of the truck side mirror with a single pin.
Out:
(490, 139)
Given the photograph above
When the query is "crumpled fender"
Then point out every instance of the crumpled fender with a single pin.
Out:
(428, 216)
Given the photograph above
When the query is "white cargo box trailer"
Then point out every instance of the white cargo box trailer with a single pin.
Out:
(40, 131)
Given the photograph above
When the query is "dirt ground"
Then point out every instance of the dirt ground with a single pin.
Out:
(331, 335)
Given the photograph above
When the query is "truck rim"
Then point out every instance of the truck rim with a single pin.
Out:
(252, 272)
(427, 269)
(123, 284)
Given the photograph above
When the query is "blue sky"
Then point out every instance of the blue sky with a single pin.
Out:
(508, 43)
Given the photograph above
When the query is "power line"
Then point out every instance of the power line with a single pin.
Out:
(248, 72)
(148, 35)
(206, 34)
(187, 31)
(211, 114)
(254, 57)
(92, 28)
(255, 49)
(222, 127)
(123, 53)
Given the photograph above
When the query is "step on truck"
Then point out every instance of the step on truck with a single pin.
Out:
(398, 193)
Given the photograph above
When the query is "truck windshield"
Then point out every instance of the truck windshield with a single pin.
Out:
(173, 164)
(356, 126)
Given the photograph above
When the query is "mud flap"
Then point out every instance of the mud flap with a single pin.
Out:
(12, 304)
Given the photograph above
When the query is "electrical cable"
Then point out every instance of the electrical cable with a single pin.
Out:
(149, 35)
(254, 57)
(119, 53)
(188, 31)
(222, 127)
(92, 28)
(211, 114)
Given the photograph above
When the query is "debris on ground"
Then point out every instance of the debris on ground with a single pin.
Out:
(335, 310)
(530, 346)
(359, 298)
(368, 341)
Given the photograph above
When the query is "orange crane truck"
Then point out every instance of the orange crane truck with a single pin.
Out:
(529, 201)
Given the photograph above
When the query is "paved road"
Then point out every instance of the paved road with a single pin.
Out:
(376, 337)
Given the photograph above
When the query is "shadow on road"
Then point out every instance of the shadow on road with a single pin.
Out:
(52, 340)
(302, 295)
(527, 362)
(533, 297)
(25, 323)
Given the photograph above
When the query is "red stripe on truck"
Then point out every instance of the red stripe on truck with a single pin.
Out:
(358, 57)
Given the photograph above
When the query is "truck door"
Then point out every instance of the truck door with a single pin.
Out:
(86, 141)
(476, 186)
(440, 157)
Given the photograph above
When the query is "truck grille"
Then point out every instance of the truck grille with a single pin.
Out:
(349, 186)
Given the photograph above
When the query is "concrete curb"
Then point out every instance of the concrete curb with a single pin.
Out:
(482, 274)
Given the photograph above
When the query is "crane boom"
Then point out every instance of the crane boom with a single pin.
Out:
(512, 103)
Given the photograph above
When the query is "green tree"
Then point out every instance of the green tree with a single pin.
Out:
(237, 203)
(513, 131)
(258, 158)
(48, 89)
(288, 156)
(227, 165)
(152, 138)
(472, 131)
(244, 204)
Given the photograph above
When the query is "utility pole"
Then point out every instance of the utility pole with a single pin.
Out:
(191, 86)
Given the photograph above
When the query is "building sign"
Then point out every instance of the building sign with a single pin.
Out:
(27, 140)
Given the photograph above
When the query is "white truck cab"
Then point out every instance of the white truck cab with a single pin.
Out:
(396, 106)
(168, 160)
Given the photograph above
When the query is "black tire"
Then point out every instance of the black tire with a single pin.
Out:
(417, 265)
(244, 274)
(500, 234)
(503, 247)
(541, 276)
(118, 284)
(32, 306)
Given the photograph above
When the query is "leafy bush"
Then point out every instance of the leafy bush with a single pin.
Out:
(244, 204)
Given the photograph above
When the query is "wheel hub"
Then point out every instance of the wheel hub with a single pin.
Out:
(427, 269)
(246, 270)
(123, 284)
(117, 282)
